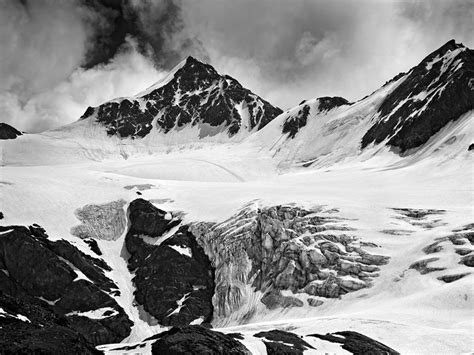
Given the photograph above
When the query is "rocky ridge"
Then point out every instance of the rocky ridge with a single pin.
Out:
(193, 95)
(8, 132)
(438, 90)
(57, 276)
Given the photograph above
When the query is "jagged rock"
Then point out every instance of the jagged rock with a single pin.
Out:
(32, 328)
(59, 275)
(444, 79)
(147, 219)
(196, 95)
(281, 342)
(196, 340)
(299, 118)
(294, 122)
(264, 248)
(106, 221)
(357, 343)
(92, 243)
(174, 280)
(8, 132)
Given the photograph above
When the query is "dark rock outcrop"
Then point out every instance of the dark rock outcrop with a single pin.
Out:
(55, 273)
(33, 328)
(294, 122)
(174, 280)
(196, 340)
(8, 132)
(281, 342)
(438, 90)
(356, 343)
(195, 95)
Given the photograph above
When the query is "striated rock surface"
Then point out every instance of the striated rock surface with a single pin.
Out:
(282, 248)
(106, 221)
(56, 274)
(193, 95)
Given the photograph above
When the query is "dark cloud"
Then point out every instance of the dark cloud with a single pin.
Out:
(58, 57)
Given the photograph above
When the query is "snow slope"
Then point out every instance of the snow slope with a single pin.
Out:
(46, 177)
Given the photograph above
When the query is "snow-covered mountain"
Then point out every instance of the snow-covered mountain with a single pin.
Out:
(192, 94)
(333, 227)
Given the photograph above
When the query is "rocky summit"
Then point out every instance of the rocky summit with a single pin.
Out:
(194, 95)
(438, 90)
(8, 132)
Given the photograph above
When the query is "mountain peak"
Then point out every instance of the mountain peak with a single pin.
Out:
(193, 93)
(8, 132)
(449, 46)
(431, 94)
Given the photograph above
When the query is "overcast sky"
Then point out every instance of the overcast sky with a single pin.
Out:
(58, 57)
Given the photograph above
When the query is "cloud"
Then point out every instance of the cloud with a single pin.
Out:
(128, 73)
(290, 50)
(58, 57)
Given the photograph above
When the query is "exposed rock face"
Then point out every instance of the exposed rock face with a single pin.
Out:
(174, 280)
(282, 248)
(462, 236)
(281, 342)
(8, 132)
(56, 274)
(299, 118)
(106, 221)
(33, 328)
(195, 95)
(294, 122)
(357, 343)
(438, 90)
(196, 340)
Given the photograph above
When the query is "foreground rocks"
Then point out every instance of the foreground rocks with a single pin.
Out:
(196, 340)
(174, 278)
(357, 343)
(32, 328)
(58, 276)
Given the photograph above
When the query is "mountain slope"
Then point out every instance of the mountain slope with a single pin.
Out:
(409, 111)
(438, 90)
(192, 94)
